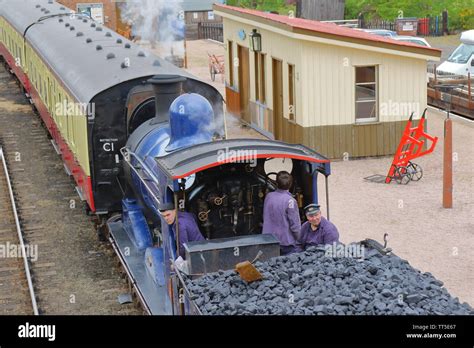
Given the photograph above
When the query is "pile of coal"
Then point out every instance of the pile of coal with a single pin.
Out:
(311, 283)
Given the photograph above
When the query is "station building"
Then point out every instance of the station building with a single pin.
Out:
(105, 12)
(340, 91)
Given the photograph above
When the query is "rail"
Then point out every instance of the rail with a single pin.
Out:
(20, 235)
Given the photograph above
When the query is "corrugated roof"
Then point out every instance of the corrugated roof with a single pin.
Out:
(324, 29)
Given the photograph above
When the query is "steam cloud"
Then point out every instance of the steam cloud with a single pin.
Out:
(157, 21)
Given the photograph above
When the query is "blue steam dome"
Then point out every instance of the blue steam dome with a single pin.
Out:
(191, 121)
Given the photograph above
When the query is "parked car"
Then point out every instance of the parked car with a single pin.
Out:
(412, 39)
(379, 32)
(461, 61)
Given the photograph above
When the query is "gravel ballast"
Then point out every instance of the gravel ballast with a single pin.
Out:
(312, 283)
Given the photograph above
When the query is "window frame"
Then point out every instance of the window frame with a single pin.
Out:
(230, 53)
(291, 92)
(260, 77)
(376, 98)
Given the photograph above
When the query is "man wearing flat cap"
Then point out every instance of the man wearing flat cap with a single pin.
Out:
(317, 230)
(188, 229)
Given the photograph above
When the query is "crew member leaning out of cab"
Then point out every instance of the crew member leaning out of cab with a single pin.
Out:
(188, 229)
(317, 230)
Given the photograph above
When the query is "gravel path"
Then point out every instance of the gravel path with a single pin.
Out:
(431, 238)
(74, 273)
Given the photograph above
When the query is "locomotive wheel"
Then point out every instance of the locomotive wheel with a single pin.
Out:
(415, 170)
(402, 175)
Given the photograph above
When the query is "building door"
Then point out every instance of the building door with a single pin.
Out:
(244, 83)
(277, 73)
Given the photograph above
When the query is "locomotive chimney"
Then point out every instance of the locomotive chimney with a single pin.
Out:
(167, 88)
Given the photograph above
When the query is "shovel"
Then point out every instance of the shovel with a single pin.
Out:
(247, 270)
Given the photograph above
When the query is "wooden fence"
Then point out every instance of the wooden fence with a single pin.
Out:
(429, 26)
(213, 31)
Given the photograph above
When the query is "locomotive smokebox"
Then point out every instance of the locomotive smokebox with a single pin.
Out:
(167, 88)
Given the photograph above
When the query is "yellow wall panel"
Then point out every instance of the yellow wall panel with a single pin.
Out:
(325, 77)
(72, 127)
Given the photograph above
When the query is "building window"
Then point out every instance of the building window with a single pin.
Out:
(94, 11)
(230, 52)
(210, 15)
(195, 15)
(366, 94)
(260, 77)
(291, 92)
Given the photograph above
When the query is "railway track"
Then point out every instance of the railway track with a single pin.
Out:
(457, 94)
(443, 109)
(17, 294)
(72, 273)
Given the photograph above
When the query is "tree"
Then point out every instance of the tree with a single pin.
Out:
(460, 11)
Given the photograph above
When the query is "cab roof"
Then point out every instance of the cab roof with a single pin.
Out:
(185, 162)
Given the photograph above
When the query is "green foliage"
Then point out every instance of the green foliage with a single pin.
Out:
(461, 12)
(281, 6)
(466, 17)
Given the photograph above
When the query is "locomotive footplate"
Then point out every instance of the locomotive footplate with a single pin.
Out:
(151, 295)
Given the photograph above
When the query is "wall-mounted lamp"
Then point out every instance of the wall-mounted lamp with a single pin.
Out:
(255, 41)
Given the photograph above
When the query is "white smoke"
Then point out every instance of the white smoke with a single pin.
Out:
(157, 21)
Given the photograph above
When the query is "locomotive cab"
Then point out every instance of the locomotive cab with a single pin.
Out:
(223, 184)
(177, 158)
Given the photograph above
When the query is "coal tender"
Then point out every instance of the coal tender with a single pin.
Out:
(182, 156)
(317, 283)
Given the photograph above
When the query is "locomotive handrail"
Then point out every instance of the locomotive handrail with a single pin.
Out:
(186, 289)
(126, 153)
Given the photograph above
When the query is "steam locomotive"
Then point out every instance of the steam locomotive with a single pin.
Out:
(147, 133)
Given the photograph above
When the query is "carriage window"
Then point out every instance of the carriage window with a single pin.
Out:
(366, 94)
(61, 110)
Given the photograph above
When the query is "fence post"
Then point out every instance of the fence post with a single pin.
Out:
(445, 22)
(361, 22)
(214, 31)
